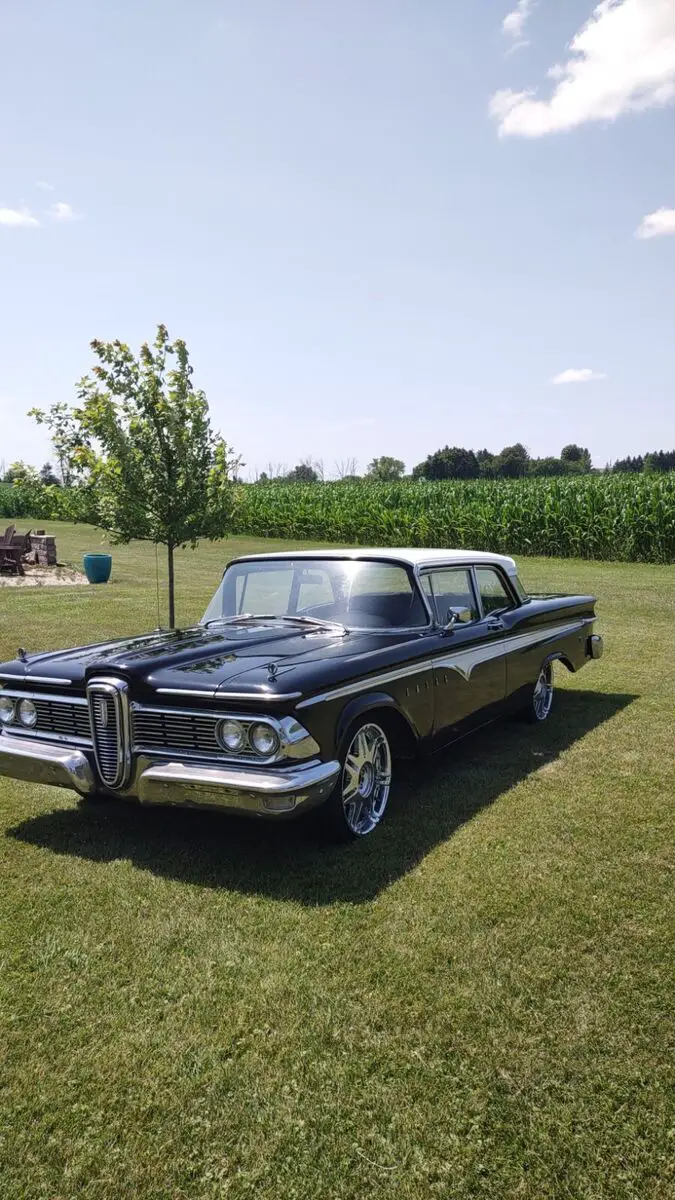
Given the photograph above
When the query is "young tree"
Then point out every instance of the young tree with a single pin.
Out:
(386, 469)
(158, 470)
(21, 473)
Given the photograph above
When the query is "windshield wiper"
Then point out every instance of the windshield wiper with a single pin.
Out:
(315, 622)
(229, 620)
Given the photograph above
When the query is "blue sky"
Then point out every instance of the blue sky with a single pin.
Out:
(380, 225)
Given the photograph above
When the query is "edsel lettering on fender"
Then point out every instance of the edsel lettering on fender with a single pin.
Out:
(309, 675)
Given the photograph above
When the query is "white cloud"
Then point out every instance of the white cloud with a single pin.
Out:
(578, 375)
(17, 216)
(514, 22)
(657, 224)
(621, 60)
(44, 186)
(62, 212)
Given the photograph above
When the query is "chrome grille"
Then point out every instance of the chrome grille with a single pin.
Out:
(156, 729)
(109, 717)
(62, 718)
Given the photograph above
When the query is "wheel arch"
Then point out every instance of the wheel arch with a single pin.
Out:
(559, 656)
(393, 720)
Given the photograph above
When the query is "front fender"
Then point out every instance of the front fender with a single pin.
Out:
(369, 702)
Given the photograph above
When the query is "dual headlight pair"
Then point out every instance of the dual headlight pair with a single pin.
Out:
(23, 711)
(238, 738)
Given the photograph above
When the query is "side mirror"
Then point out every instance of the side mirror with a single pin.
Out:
(457, 616)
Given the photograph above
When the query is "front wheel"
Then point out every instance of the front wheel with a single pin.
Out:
(358, 802)
(541, 702)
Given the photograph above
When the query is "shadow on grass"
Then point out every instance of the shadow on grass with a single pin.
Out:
(290, 861)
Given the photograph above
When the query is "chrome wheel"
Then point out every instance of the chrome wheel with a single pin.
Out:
(366, 779)
(542, 698)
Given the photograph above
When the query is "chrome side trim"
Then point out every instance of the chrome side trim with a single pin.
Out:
(38, 734)
(37, 679)
(361, 685)
(463, 661)
(268, 697)
(44, 696)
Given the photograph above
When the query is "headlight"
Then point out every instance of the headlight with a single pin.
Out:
(264, 740)
(6, 710)
(27, 713)
(232, 736)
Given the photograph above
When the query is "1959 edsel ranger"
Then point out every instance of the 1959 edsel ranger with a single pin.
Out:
(307, 676)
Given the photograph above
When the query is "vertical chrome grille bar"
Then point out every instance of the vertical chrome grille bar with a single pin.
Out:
(108, 701)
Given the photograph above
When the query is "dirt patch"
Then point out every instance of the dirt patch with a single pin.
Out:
(44, 577)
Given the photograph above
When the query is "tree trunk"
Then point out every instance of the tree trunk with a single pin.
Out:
(172, 607)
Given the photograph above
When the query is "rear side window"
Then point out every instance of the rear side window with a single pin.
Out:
(450, 588)
(493, 593)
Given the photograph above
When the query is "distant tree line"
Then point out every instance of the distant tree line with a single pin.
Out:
(659, 461)
(513, 462)
(456, 462)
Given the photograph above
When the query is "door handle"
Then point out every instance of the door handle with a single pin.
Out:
(495, 625)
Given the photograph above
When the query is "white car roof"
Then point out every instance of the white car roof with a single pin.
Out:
(410, 557)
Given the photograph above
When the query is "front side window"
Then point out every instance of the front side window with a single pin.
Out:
(493, 593)
(450, 589)
(358, 593)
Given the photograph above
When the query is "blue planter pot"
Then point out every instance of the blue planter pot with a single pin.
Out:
(97, 567)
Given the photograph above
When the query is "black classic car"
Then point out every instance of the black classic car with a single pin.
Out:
(309, 674)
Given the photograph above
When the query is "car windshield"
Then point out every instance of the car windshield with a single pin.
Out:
(356, 593)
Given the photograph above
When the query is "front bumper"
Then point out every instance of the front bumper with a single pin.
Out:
(46, 762)
(268, 791)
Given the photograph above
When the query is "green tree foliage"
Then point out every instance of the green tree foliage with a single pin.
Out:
(452, 462)
(303, 473)
(386, 469)
(20, 474)
(157, 469)
(660, 461)
(576, 458)
(486, 464)
(48, 477)
(69, 439)
(633, 465)
(547, 467)
(513, 462)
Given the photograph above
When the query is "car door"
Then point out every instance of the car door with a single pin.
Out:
(469, 667)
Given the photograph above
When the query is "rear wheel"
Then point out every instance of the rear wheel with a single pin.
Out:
(359, 800)
(541, 702)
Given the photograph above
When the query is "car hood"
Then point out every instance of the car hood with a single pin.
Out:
(260, 660)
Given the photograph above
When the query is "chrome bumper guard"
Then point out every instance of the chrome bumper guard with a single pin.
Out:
(595, 645)
(263, 791)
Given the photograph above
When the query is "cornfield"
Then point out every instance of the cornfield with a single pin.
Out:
(624, 517)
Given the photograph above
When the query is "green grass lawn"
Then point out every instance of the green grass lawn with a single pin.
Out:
(476, 1002)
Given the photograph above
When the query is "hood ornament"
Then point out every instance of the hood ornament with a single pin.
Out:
(272, 671)
(21, 655)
